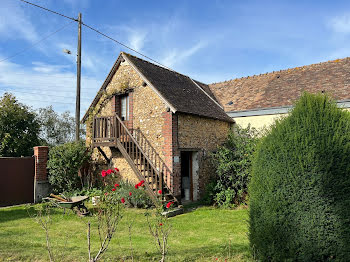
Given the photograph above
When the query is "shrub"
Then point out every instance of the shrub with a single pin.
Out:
(139, 197)
(233, 166)
(64, 163)
(300, 187)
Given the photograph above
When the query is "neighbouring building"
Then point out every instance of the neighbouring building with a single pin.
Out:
(160, 126)
(260, 99)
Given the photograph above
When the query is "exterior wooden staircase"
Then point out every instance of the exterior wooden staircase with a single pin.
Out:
(137, 150)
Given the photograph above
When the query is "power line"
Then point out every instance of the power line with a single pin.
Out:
(24, 92)
(47, 101)
(37, 42)
(40, 75)
(120, 43)
(99, 32)
(50, 10)
(37, 87)
(43, 85)
(54, 75)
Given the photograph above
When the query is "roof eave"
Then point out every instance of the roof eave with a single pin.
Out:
(172, 108)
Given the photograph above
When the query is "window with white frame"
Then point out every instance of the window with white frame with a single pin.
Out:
(124, 108)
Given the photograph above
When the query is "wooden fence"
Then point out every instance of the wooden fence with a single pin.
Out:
(16, 180)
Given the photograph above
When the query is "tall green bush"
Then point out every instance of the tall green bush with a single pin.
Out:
(233, 166)
(64, 163)
(300, 187)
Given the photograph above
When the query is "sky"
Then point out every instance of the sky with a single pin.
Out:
(211, 41)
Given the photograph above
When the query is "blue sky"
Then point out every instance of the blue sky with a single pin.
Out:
(210, 41)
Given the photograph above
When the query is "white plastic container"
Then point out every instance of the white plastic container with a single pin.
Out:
(187, 193)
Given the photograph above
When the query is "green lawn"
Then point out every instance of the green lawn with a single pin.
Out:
(203, 234)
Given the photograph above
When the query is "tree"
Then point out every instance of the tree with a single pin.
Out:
(19, 128)
(56, 129)
(299, 191)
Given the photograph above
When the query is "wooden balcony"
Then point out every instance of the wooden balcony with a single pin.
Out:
(137, 150)
(110, 131)
(105, 131)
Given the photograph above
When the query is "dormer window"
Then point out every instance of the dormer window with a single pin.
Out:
(124, 107)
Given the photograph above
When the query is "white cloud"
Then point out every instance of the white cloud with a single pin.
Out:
(74, 4)
(89, 60)
(176, 56)
(340, 24)
(39, 88)
(137, 39)
(15, 23)
(47, 68)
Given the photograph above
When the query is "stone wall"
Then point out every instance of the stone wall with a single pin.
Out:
(118, 161)
(199, 132)
(148, 110)
(202, 135)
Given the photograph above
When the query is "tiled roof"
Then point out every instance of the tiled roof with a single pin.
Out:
(282, 88)
(180, 91)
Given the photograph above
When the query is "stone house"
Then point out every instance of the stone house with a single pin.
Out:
(156, 125)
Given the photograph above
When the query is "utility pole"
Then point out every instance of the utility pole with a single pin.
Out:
(77, 103)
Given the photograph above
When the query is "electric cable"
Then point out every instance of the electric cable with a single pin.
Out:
(34, 44)
(99, 32)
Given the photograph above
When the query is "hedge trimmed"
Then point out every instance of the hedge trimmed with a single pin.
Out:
(300, 186)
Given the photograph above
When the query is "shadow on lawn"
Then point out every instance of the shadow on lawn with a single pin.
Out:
(203, 252)
(15, 213)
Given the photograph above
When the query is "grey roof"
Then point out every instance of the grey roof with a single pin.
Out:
(183, 93)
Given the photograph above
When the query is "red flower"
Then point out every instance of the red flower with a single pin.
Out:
(137, 186)
(109, 171)
(159, 192)
(142, 181)
(113, 189)
(116, 185)
(122, 200)
(160, 224)
(106, 194)
(116, 169)
(103, 173)
(169, 204)
(130, 193)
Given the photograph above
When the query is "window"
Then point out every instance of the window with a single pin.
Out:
(124, 107)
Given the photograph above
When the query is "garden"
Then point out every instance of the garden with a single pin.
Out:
(201, 234)
(279, 195)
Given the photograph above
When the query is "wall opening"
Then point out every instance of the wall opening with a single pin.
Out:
(189, 176)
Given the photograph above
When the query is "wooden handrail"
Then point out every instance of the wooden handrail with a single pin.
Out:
(138, 151)
(137, 133)
(141, 156)
(120, 122)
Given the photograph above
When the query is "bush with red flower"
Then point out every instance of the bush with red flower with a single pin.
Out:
(134, 195)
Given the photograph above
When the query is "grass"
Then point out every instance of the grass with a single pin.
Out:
(203, 234)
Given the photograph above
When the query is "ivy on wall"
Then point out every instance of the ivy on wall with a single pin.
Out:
(106, 96)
